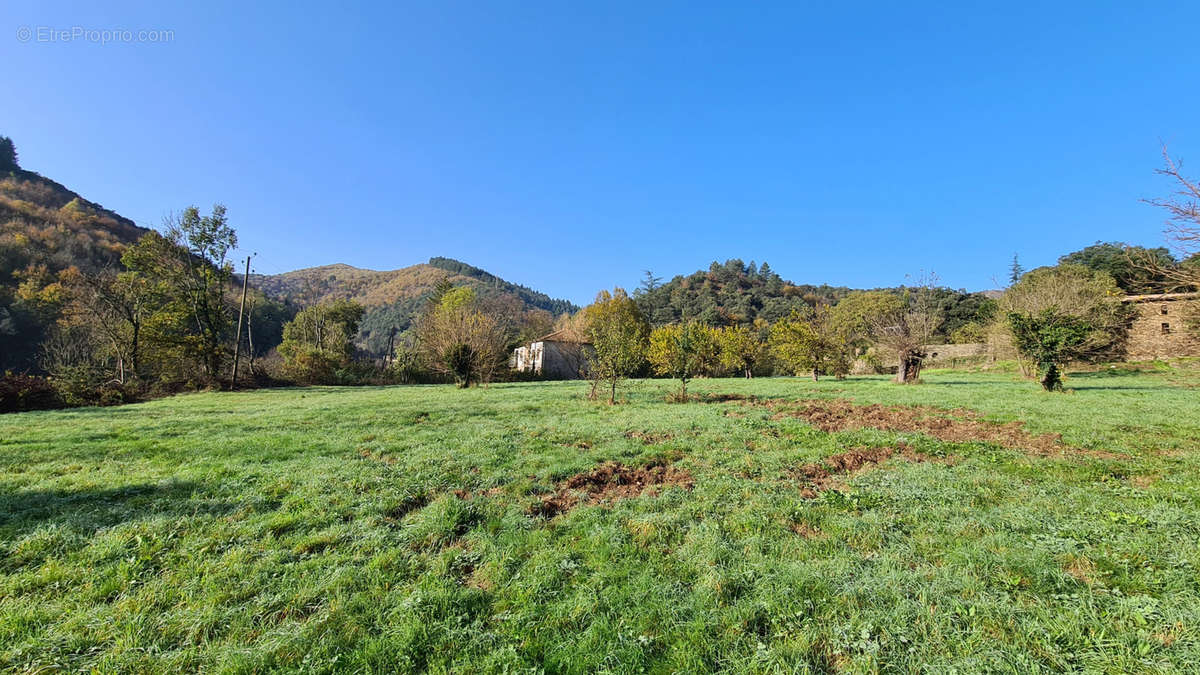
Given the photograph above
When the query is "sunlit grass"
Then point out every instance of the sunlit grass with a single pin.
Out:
(318, 529)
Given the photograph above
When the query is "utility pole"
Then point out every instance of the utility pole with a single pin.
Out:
(237, 346)
(388, 358)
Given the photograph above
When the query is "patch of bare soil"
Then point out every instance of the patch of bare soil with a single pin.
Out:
(467, 494)
(367, 453)
(649, 437)
(725, 398)
(807, 531)
(610, 482)
(820, 476)
(956, 426)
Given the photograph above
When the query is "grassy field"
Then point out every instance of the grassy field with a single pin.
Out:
(407, 529)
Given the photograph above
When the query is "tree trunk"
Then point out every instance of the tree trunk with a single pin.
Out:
(909, 369)
(749, 373)
(1052, 381)
(612, 394)
(816, 374)
(133, 351)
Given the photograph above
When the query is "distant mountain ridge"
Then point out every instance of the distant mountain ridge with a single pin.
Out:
(393, 298)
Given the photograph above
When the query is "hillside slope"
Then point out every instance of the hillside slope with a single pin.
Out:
(45, 228)
(392, 298)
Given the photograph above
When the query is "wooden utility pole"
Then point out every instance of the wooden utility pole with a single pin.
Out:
(237, 345)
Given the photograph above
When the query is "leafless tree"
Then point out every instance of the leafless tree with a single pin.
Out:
(1183, 228)
(907, 327)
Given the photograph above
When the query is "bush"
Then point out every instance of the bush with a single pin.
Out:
(26, 392)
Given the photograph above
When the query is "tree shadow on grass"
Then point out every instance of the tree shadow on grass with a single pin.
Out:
(91, 509)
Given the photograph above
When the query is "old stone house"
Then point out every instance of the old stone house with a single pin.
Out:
(558, 356)
(1164, 326)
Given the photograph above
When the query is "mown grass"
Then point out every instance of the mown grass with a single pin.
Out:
(319, 530)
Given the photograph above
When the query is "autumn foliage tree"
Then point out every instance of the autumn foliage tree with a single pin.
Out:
(189, 272)
(683, 351)
(618, 332)
(741, 348)
(811, 342)
(461, 338)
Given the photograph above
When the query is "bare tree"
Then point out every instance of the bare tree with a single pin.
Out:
(1182, 231)
(908, 326)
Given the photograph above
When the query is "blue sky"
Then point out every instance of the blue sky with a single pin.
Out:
(568, 146)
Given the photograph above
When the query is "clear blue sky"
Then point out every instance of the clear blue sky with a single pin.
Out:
(568, 145)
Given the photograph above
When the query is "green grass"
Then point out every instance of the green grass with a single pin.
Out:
(318, 530)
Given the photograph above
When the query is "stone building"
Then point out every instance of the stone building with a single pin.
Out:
(1164, 326)
(557, 356)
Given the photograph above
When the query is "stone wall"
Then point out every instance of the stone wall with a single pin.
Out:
(1160, 330)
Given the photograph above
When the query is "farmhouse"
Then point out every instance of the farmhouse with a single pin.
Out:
(1164, 326)
(559, 355)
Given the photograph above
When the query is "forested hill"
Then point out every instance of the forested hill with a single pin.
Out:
(729, 293)
(393, 298)
(45, 228)
(734, 292)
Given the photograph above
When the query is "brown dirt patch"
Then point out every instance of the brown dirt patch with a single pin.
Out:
(820, 476)
(610, 482)
(649, 437)
(1083, 570)
(807, 531)
(367, 453)
(725, 398)
(956, 426)
(468, 494)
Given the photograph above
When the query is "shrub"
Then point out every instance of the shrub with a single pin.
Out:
(27, 392)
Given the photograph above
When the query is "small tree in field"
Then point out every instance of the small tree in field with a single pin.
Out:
(741, 348)
(907, 326)
(1068, 290)
(617, 331)
(460, 337)
(811, 344)
(683, 351)
(1050, 339)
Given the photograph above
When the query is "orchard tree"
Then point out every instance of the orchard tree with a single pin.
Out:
(811, 343)
(683, 351)
(617, 331)
(901, 324)
(741, 348)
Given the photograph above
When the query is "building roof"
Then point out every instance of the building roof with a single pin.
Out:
(1160, 296)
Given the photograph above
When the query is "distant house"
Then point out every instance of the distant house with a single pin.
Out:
(559, 356)
(1161, 329)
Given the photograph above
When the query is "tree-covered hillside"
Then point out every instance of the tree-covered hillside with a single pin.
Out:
(45, 229)
(734, 292)
(393, 298)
